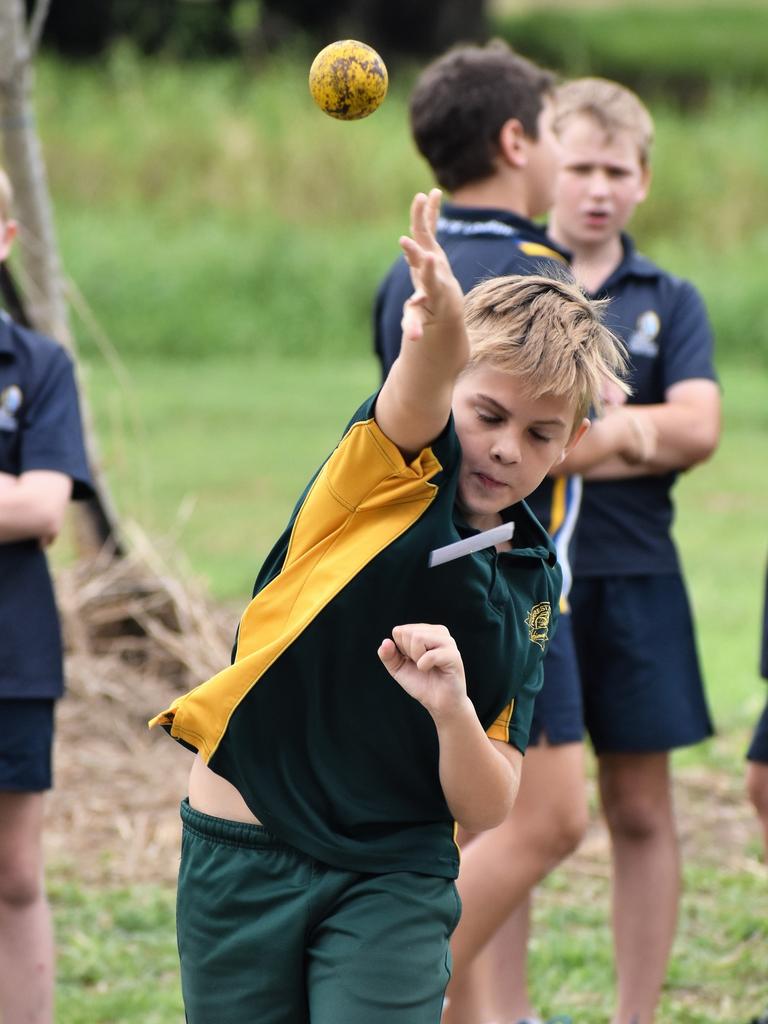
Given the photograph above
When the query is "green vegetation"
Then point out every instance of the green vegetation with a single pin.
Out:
(204, 210)
(683, 50)
(228, 239)
(214, 455)
(117, 956)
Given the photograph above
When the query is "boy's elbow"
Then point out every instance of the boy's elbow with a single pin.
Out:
(484, 821)
(51, 521)
(709, 442)
(701, 435)
(703, 445)
(492, 814)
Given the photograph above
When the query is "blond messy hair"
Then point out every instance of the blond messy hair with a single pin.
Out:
(548, 335)
(611, 106)
(6, 196)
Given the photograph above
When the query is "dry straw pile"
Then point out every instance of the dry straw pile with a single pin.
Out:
(135, 635)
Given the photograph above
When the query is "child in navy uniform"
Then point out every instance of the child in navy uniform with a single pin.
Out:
(481, 118)
(42, 465)
(643, 692)
(339, 750)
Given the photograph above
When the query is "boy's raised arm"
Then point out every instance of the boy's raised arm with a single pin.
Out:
(415, 401)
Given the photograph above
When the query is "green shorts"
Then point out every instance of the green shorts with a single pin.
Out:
(269, 934)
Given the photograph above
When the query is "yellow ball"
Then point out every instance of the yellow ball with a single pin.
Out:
(348, 80)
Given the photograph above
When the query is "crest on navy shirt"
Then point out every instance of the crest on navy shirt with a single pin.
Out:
(10, 403)
(642, 341)
(537, 620)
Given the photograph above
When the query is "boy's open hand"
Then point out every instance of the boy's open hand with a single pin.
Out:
(425, 661)
(437, 300)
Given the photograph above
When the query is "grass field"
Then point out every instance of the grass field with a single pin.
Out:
(228, 240)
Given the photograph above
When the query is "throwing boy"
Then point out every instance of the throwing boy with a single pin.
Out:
(318, 856)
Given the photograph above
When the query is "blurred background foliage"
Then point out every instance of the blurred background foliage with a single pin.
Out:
(684, 50)
(205, 206)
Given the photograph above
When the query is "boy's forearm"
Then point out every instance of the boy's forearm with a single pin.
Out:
(619, 434)
(480, 782)
(599, 444)
(617, 468)
(687, 435)
(415, 400)
(32, 506)
(419, 395)
(686, 431)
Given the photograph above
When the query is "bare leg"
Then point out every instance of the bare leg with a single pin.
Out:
(507, 967)
(757, 787)
(498, 870)
(637, 800)
(26, 935)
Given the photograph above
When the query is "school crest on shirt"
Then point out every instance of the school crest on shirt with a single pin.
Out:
(642, 341)
(10, 403)
(537, 620)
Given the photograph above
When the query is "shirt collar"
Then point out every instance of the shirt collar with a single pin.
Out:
(530, 539)
(633, 264)
(501, 221)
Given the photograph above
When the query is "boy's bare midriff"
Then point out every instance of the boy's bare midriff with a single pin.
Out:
(211, 794)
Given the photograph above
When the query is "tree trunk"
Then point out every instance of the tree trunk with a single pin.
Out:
(42, 278)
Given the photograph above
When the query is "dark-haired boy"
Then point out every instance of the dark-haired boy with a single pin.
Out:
(642, 686)
(482, 118)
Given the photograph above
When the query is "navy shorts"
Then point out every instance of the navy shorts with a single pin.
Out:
(26, 741)
(642, 687)
(558, 714)
(758, 748)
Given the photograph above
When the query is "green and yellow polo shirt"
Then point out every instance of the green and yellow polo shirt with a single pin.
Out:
(326, 748)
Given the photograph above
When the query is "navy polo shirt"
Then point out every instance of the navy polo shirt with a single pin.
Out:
(624, 527)
(39, 429)
(325, 747)
(480, 244)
